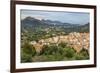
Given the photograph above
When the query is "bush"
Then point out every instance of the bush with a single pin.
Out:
(84, 52)
(68, 52)
(63, 45)
(25, 57)
(52, 52)
(79, 57)
(27, 52)
(49, 50)
(82, 55)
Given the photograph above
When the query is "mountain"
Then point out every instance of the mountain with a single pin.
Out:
(30, 23)
(35, 22)
(85, 27)
(50, 22)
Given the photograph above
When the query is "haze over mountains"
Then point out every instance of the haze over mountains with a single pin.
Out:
(31, 23)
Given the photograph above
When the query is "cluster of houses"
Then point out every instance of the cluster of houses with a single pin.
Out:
(75, 40)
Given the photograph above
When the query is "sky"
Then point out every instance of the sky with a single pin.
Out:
(62, 16)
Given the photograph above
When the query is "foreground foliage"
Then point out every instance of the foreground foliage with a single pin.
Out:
(52, 52)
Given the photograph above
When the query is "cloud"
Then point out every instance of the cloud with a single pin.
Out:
(69, 17)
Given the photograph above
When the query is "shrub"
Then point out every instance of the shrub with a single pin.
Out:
(79, 57)
(63, 45)
(49, 50)
(82, 55)
(68, 52)
(27, 52)
(52, 52)
(25, 57)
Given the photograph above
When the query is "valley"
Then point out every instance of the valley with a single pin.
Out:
(47, 40)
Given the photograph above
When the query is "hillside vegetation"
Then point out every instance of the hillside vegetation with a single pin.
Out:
(45, 40)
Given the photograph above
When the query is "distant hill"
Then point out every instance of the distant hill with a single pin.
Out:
(30, 23)
(85, 27)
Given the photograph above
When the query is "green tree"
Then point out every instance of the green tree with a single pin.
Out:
(82, 55)
(68, 52)
(27, 52)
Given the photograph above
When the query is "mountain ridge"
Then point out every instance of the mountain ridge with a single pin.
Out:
(32, 23)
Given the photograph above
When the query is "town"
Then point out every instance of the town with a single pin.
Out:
(75, 40)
